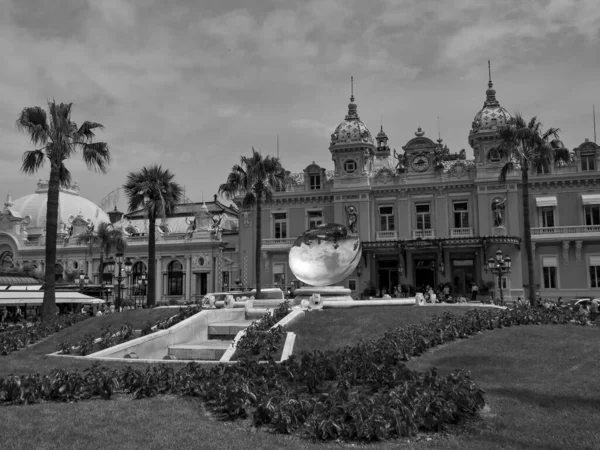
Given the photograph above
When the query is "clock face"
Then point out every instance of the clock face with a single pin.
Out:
(420, 163)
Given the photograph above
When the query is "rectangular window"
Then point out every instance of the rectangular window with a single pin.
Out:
(592, 214)
(461, 214)
(423, 216)
(279, 274)
(280, 224)
(503, 282)
(386, 218)
(315, 181)
(588, 162)
(315, 218)
(595, 271)
(547, 217)
(549, 272)
(225, 276)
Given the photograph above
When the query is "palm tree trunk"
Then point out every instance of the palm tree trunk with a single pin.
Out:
(49, 303)
(527, 233)
(151, 292)
(257, 256)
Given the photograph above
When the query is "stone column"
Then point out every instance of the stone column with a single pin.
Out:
(159, 277)
(188, 277)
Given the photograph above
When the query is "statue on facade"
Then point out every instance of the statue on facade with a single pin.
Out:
(216, 226)
(498, 207)
(352, 214)
(402, 162)
(191, 227)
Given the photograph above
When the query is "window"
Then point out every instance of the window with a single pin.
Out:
(592, 214)
(225, 276)
(175, 278)
(386, 218)
(108, 272)
(549, 270)
(350, 166)
(279, 274)
(6, 260)
(503, 283)
(595, 271)
(461, 215)
(588, 161)
(315, 218)
(136, 271)
(423, 216)
(547, 217)
(315, 181)
(280, 225)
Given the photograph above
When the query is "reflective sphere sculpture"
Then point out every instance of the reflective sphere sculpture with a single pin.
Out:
(325, 255)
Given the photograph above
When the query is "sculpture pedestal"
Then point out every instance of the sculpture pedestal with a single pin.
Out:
(328, 293)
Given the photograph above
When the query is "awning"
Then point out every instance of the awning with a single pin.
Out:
(590, 199)
(545, 201)
(10, 297)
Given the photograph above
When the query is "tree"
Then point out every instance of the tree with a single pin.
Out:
(106, 238)
(153, 190)
(58, 138)
(527, 147)
(256, 179)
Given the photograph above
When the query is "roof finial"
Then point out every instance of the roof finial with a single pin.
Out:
(382, 123)
(351, 89)
(439, 133)
(490, 84)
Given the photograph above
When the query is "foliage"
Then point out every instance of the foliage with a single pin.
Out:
(57, 138)
(154, 191)
(257, 178)
(22, 336)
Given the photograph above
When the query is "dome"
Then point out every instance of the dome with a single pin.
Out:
(352, 130)
(70, 204)
(492, 116)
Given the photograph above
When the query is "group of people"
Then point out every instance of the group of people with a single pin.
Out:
(442, 293)
(11, 314)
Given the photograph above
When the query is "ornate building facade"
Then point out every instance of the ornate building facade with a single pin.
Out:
(428, 217)
(196, 248)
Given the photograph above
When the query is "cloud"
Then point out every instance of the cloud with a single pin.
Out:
(315, 127)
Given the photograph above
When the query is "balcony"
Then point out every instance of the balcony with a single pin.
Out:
(423, 234)
(568, 232)
(387, 235)
(277, 244)
(461, 232)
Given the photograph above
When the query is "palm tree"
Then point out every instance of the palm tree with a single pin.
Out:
(527, 147)
(256, 178)
(106, 238)
(153, 190)
(58, 138)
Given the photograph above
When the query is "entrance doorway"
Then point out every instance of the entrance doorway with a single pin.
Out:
(424, 273)
(463, 276)
(387, 276)
(202, 283)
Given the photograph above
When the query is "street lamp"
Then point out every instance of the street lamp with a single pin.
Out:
(500, 266)
(83, 281)
(143, 286)
(119, 259)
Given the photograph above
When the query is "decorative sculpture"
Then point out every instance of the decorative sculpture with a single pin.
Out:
(402, 162)
(352, 214)
(216, 227)
(191, 227)
(498, 206)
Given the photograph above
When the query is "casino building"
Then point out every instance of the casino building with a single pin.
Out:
(427, 216)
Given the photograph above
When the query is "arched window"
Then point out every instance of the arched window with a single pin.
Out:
(58, 273)
(6, 260)
(175, 278)
(108, 272)
(136, 271)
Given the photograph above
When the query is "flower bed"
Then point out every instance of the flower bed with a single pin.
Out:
(363, 392)
(108, 338)
(22, 336)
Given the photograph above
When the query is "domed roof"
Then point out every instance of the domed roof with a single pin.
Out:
(70, 205)
(492, 116)
(352, 130)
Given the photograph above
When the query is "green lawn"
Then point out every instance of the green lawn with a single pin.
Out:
(335, 328)
(34, 360)
(540, 381)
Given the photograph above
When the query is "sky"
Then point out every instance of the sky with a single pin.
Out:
(194, 85)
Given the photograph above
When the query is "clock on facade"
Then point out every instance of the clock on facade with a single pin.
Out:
(420, 163)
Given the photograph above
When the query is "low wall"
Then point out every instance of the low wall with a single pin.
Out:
(377, 302)
(189, 331)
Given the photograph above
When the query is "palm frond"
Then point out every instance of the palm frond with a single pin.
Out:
(33, 121)
(506, 169)
(86, 130)
(64, 176)
(96, 156)
(33, 160)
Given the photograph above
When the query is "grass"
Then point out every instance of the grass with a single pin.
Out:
(541, 384)
(335, 328)
(34, 360)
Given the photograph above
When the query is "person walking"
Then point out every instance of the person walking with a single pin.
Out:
(474, 292)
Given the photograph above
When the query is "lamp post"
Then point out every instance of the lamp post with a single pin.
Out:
(500, 266)
(83, 281)
(142, 283)
(119, 259)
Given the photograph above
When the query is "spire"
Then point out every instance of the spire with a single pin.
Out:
(352, 109)
(439, 140)
(9, 201)
(490, 93)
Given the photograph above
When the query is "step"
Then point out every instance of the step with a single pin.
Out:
(203, 350)
(229, 328)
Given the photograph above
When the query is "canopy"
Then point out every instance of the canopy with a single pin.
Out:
(590, 199)
(546, 201)
(12, 298)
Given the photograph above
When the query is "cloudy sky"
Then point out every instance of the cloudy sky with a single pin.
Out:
(193, 85)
